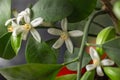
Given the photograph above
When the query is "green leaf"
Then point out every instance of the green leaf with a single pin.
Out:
(112, 48)
(82, 9)
(89, 75)
(70, 57)
(52, 10)
(6, 50)
(16, 43)
(31, 72)
(112, 72)
(67, 77)
(5, 13)
(40, 52)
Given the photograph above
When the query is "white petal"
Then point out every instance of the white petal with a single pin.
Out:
(19, 18)
(99, 71)
(35, 34)
(22, 13)
(17, 30)
(75, 33)
(36, 22)
(107, 62)
(24, 35)
(26, 19)
(69, 45)
(58, 43)
(90, 67)
(14, 25)
(94, 55)
(54, 31)
(9, 21)
(64, 24)
(27, 10)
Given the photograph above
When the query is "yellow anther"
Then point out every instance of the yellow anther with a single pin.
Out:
(96, 62)
(64, 35)
(10, 29)
(27, 26)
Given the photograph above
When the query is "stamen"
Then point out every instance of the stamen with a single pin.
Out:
(96, 62)
(27, 26)
(10, 29)
(64, 35)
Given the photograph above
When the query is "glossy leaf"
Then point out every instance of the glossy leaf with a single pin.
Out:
(89, 75)
(82, 9)
(52, 10)
(16, 43)
(112, 72)
(112, 48)
(5, 13)
(70, 57)
(31, 72)
(67, 77)
(6, 50)
(40, 52)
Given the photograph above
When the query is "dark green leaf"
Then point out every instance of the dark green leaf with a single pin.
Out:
(6, 50)
(112, 72)
(16, 43)
(70, 57)
(5, 13)
(67, 77)
(31, 72)
(40, 52)
(112, 48)
(89, 75)
(52, 10)
(82, 9)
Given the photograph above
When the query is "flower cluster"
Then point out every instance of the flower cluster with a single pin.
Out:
(17, 28)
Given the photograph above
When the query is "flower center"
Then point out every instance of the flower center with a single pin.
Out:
(10, 29)
(27, 26)
(96, 62)
(64, 35)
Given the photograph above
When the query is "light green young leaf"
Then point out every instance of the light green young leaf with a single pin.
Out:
(112, 48)
(5, 13)
(52, 10)
(6, 50)
(40, 52)
(31, 72)
(16, 43)
(67, 77)
(69, 57)
(89, 75)
(112, 72)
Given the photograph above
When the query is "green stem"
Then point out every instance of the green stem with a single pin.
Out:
(74, 60)
(84, 40)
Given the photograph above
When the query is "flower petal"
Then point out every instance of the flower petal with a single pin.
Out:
(58, 43)
(54, 31)
(14, 25)
(69, 45)
(64, 24)
(35, 34)
(90, 67)
(75, 33)
(9, 21)
(27, 19)
(27, 10)
(94, 55)
(99, 71)
(19, 18)
(17, 30)
(37, 22)
(24, 34)
(107, 62)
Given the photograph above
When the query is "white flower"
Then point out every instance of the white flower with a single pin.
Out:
(29, 26)
(14, 28)
(64, 36)
(24, 14)
(97, 63)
